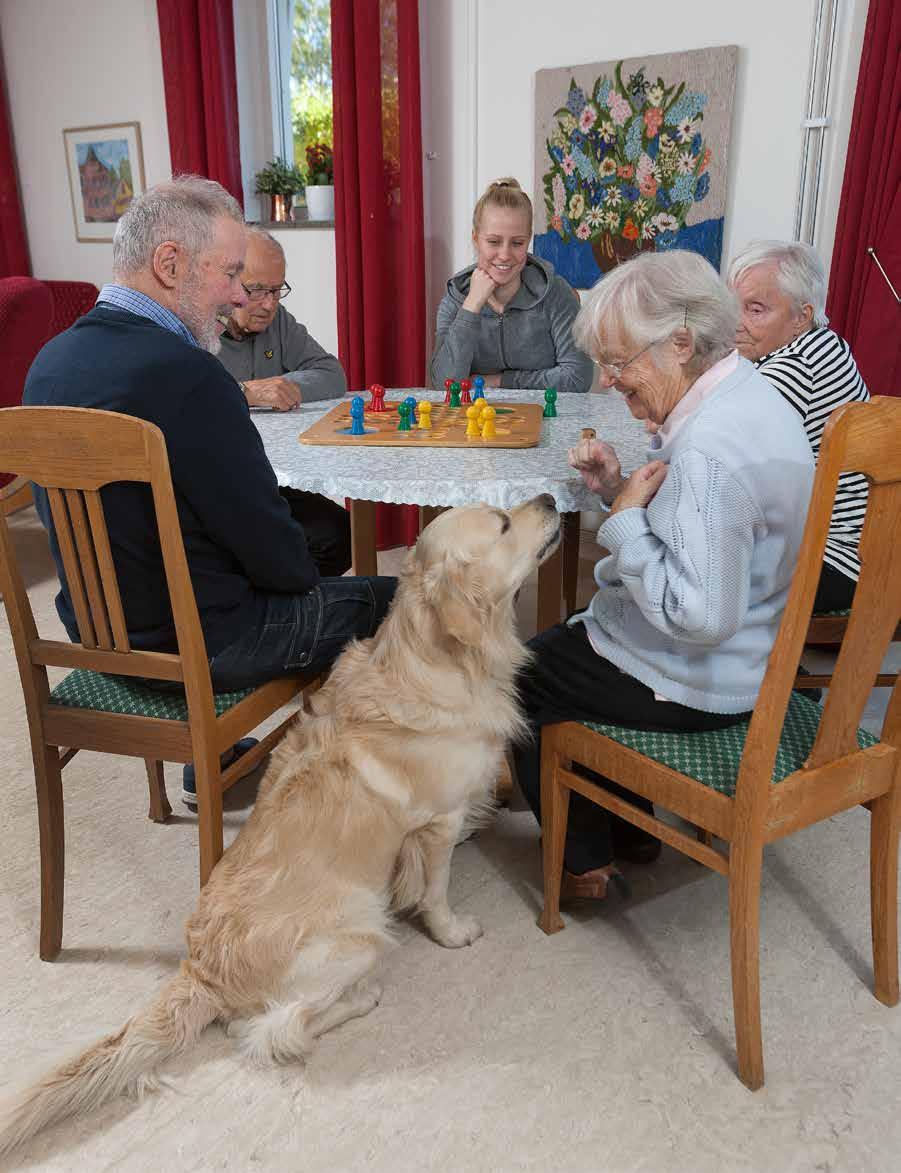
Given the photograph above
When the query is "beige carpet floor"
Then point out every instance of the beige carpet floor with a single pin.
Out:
(608, 1047)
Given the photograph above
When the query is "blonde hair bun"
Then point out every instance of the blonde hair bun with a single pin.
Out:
(503, 193)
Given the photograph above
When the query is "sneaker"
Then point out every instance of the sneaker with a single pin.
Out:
(188, 780)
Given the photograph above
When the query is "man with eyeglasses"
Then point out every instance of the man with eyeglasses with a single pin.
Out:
(278, 365)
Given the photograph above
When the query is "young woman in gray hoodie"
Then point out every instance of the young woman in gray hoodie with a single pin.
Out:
(508, 317)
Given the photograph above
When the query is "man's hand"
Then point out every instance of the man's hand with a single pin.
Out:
(481, 287)
(600, 468)
(277, 393)
(641, 487)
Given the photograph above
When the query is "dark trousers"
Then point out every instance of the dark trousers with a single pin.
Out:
(303, 632)
(327, 529)
(569, 681)
(835, 591)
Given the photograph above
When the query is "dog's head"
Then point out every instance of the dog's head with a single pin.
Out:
(471, 561)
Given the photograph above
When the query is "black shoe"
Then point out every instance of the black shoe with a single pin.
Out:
(631, 843)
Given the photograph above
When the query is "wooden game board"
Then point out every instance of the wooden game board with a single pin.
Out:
(518, 425)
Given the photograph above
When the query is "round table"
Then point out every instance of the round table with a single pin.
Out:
(436, 478)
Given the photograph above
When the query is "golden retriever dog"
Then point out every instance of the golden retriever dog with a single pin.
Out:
(356, 819)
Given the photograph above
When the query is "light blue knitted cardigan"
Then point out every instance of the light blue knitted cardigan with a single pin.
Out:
(693, 591)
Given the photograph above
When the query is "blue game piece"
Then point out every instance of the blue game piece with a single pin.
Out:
(411, 403)
(479, 386)
(357, 408)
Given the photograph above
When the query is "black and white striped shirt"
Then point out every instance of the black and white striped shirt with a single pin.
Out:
(816, 373)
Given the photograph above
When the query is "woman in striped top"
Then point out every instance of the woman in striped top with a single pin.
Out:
(781, 288)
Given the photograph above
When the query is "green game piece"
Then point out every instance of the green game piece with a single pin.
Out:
(403, 410)
(550, 404)
(455, 390)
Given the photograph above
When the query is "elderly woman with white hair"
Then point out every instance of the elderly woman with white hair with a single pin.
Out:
(781, 288)
(702, 540)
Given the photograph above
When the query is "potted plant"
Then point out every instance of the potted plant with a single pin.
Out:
(628, 162)
(320, 186)
(279, 181)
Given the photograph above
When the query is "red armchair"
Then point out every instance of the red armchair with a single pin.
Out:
(31, 312)
(26, 310)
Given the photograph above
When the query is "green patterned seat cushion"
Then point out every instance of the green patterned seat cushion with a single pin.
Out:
(712, 757)
(125, 694)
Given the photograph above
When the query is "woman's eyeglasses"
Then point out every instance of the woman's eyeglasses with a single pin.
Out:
(615, 369)
(261, 292)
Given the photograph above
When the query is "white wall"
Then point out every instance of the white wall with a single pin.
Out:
(310, 257)
(479, 63)
(77, 64)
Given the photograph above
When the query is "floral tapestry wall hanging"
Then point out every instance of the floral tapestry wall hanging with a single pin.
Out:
(632, 155)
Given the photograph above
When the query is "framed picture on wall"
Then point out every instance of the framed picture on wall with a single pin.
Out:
(106, 172)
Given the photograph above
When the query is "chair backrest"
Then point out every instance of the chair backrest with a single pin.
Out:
(73, 452)
(71, 299)
(865, 438)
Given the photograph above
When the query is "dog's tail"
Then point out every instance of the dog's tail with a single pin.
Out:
(123, 1062)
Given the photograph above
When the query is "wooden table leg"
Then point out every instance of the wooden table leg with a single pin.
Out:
(571, 523)
(550, 590)
(364, 560)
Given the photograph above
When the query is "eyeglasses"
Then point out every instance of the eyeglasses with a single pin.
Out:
(260, 293)
(615, 369)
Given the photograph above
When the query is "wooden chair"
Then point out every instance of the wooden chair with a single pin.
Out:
(827, 630)
(793, 764)
(102, 705)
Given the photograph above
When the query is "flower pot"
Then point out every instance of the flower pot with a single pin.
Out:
(321, 201)
(610, 251)
(280, 209)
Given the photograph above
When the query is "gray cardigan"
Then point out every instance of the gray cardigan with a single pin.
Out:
(285, 349)
(530, 343)
(693, 590)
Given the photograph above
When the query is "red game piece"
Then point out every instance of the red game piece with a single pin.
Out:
(447, 390)
(465, 397)
(377, 400)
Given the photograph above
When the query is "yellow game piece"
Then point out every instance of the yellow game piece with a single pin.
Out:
(488, 429)
(480, 402)
(472, 421)
(425, 415)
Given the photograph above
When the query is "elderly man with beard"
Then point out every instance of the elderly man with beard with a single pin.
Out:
(146, 349)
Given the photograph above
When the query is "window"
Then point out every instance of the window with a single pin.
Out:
(301, 54)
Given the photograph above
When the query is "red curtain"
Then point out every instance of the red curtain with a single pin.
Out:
(378, 207)
(861, 306)
(14, 260)
(197, 38)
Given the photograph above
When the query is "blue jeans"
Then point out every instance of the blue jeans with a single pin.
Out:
(303, 632)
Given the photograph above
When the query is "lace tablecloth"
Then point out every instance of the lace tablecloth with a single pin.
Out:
(502, 477)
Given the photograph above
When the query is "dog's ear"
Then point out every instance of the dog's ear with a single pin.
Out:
(455, 594)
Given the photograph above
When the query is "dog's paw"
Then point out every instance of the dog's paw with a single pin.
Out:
(454, 931)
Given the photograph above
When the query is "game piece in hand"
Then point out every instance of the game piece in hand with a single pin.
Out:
(465, 387)
(550, 404)
(357, 407)
(403, 410)
(455, 394)
(448, 383)
(588, 433)
(488, 429)
(472, 420)
(425, 415)
(411, 403)
(479, 386)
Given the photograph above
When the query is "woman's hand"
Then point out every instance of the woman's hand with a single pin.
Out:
(481, 287)
(641, 487)
(600, 468)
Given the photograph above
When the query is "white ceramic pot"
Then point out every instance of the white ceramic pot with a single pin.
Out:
(321, 201)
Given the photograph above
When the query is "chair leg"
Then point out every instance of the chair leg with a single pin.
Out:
(48, 778)
(571, 535)
(208, 778)
(745, 864)
(554, 817)
(884, 826)
(160, 810)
